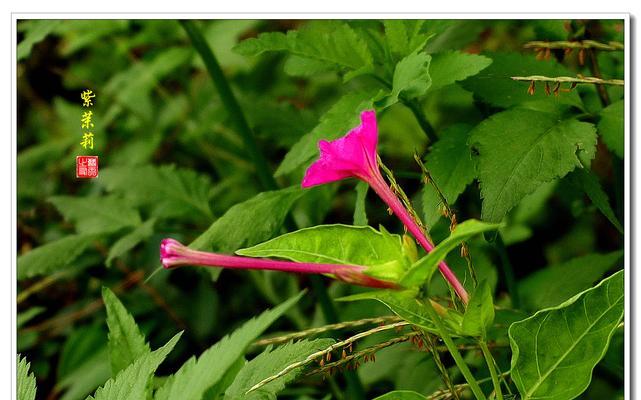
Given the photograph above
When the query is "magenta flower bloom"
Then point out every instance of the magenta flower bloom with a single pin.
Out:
(354, 156)
(174, 254)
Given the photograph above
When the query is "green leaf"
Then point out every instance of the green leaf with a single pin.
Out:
(96, 214)
(479, 313)
(247, 223)
(339, 244)
(172, 192)
(519, 150)
(193, 379)
(453, 66)
(130, 240)
(555, 350)
(34, 32)
(589, 183)
(411, 79)
(341, 117)
(23, 317)
(401, 395)
(406, 36)
(26, 389)
(126, 342)
(552, 285)
(53, 256)
(360, 213)
(611, 127)
(132, 382)
(271, 362)
(329, 41)
(422, 270)
(494, 84)
(451, 168)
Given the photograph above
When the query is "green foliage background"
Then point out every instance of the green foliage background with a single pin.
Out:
(174, 163)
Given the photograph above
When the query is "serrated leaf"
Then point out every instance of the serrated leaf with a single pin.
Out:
(411, 79)
(554, 284)
(328, 41)
(406, 36)
(519, 150)
(401, 395)
(130, 240)
(171, 191)
(494, 84)
(589, 183)
(247, 223)
(96, 214)
(555, 350)
(26, 382)
(611, 127)
(269, 363)
(339, 244)
(341, 117)
(53, 256)
(193, 379)
(126, 342)
(34, 32)
(422, 270)
(453, 66)
(479, 313)
(132, 382)
(451, 168)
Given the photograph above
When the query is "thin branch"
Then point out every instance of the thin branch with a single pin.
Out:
(310, 358)
(569, 79)
(579, 44)
(323, 329)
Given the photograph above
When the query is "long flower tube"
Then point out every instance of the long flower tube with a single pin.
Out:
(174, 254)
(354, 155)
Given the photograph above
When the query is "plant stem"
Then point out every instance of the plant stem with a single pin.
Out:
(490, 365)
(579, 44)
(231, 104)
(569, 79)
(508, 272)
(458, 359)
(425, 125)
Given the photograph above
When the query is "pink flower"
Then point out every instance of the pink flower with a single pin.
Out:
(354, 156)
(174, 254)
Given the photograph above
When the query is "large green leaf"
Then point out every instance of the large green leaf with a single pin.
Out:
(269, 363)
(126, 342)
(494, 84)
(341, 117)
(170, 191)
(406, 36)
(453, 66)
(451, 168)
(555, 350)
(53, 256)
(552, 285)
(422, 270)
(96, 214)
(328, 41)
(519, 150)
(132, 382)
(339, 244)
(611, 127)
(26, 389)
(196, 376)
(247, 223)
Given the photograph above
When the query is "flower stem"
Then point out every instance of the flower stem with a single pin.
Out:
(381, 188)
(490, 365)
